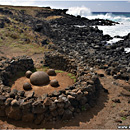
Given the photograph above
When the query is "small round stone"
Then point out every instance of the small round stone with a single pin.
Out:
(28, 73)
(27, 86)
(54, 83)
(51, 72)
(39, 78)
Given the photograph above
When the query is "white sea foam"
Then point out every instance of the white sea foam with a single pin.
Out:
(121, 29)
(127, 50)
(114, 40)
(82, 11)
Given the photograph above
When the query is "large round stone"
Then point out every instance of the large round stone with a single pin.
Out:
(39, 78)
(51, 72)
(28, 73)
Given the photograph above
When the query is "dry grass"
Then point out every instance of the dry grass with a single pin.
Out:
(53, 17)
(21, 37)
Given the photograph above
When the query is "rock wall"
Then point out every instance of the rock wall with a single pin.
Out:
(9, 68)
(59, 61)
(61, 105)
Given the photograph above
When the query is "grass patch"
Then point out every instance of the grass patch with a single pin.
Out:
(69, 74)
(43, 68)
(59, 71)
(123, 118)
(74, 80)
(72, 76)
(114, 104)
(83, 108)
(53, 17)
(21, 37)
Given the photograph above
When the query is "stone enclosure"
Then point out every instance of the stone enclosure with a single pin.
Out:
(61, 105)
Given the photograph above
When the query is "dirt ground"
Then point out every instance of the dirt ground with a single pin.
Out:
(111, 110)
(63, 79)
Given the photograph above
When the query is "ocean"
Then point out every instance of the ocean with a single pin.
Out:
(123, 18)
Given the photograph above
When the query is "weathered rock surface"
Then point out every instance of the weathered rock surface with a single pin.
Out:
(27, 86)
(54, 83)
(28, 73)
(39, 78)
(51, 72)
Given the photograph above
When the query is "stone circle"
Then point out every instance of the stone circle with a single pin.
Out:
(39, 78)
(54, 83)
(62, 104)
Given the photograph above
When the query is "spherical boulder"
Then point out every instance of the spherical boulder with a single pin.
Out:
(27, 86)
(51, 72)
(54, 83)
(39, 78)
(28, 73)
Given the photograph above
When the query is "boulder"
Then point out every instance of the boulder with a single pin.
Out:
(14, 103)
(52, 107)
(2, 111)
(38, 107)
(26, 106)
(2, 99)
(39, 78)
(27, 86)
(67, 115)
(47, 101)
(54, 113)
(51, 72)
(13, 113)
(13, 93)
(60, 111)
(8, 101)
(28, 73)
(54, 83)
(39, 119)
(28, 117)
(29, 94)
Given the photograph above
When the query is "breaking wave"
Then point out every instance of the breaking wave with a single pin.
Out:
(121, 29)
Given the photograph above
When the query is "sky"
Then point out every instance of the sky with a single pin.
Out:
(94, 6)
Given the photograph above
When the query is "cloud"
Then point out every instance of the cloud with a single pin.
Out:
(99, 4)
(17, 2)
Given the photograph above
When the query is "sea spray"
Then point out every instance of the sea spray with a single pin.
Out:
(82, 11)
(121, 29)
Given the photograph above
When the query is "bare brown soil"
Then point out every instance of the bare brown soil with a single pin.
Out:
(63, 79)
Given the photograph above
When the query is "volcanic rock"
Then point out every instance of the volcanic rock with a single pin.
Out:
(13, 113)
(29, 117)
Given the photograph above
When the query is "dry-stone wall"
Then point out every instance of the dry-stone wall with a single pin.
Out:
(61, 105)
